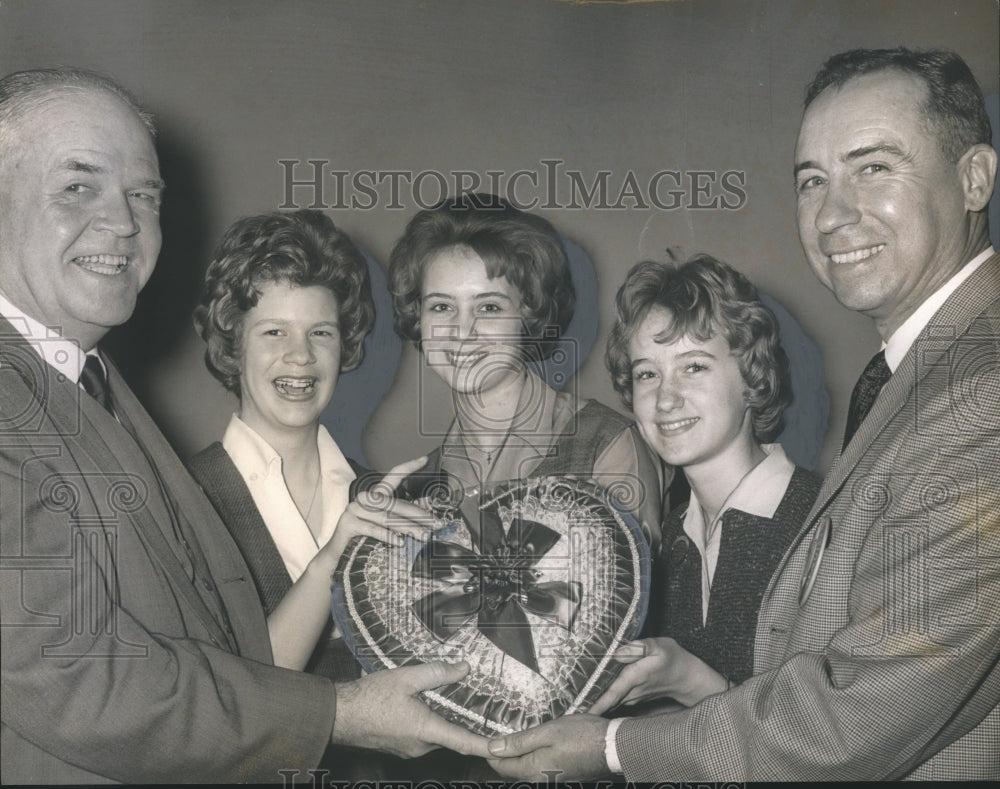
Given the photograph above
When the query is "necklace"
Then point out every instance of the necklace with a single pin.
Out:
(312, 501)
(488, 451)
(490, 454)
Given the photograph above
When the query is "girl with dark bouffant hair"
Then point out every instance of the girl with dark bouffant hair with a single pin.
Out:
(483, 289)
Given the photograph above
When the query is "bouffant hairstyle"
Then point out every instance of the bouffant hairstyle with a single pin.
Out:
(706, 297)
(522, 247)
(302, 248)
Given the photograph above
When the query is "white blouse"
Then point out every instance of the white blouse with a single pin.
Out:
(260, 467)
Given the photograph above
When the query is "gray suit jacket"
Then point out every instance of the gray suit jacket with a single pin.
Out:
(134, 647)
(891, 666)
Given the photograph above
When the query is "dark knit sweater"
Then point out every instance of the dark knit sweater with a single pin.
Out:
(217, 474)
(749, 553)
(221, 480)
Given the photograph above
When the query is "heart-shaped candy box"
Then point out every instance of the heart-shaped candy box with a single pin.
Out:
(537, 596)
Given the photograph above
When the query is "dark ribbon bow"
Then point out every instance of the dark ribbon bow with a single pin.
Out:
(496, 586)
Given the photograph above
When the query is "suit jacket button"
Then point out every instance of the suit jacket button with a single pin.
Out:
(209, 586)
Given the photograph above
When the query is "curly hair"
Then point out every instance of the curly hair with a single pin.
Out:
(706, 297)
(954, 109)
(302, 248)
(523, 248)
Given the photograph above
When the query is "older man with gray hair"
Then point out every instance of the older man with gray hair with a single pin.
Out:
(134, 646)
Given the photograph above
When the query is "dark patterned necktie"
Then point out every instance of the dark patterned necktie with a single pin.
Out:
(95, 383)
(865, 391)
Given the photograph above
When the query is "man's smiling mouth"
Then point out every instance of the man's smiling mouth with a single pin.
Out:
(857, 255)
(102, 264)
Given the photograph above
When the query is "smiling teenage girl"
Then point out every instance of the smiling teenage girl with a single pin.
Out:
(483, 288)
(696, 355)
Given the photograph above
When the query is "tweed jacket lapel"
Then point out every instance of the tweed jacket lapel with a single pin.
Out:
(952, 320)
(937, 338)
(231, 575)
(94, 440)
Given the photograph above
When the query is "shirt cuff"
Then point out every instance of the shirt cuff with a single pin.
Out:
(610, 749)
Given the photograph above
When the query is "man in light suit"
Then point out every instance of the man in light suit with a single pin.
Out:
(877, 651)
(134, 647)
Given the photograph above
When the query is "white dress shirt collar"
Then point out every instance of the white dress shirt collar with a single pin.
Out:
(64, 355)
(759, 493)
(903, 338)
(260, 466)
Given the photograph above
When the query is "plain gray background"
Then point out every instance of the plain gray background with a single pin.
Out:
(450, 85)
